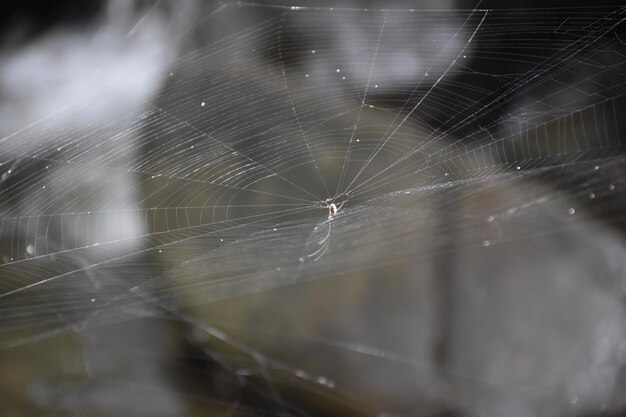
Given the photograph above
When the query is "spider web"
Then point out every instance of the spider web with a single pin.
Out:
(180, 246)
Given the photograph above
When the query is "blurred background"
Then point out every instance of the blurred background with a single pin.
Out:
(168, 246)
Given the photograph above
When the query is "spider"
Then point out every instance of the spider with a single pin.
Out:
(333, 210)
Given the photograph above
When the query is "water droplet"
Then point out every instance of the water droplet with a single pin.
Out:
(611, 187)
(592, 195)
(30, 250)
(306, 75)
(313, 51)
(486, 243)
(203, 104)
(338, 70)
(571, 210)
(325, 381)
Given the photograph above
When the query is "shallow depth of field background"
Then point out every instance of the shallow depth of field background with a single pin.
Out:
(165, 241)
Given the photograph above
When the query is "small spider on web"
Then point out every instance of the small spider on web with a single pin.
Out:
(322, 243)
(333, 210)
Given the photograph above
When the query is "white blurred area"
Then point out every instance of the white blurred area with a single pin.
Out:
(77, 86)
(124, 53)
